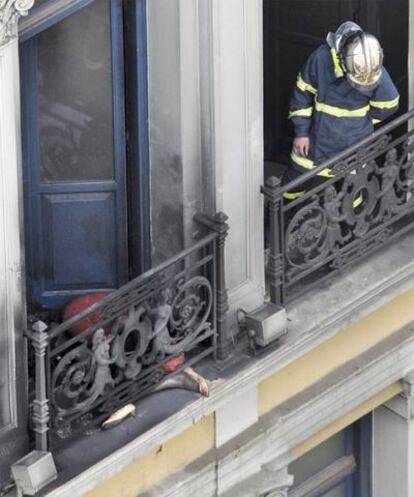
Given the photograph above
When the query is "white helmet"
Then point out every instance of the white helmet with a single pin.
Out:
(362, 57)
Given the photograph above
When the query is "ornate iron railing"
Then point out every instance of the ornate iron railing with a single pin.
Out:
(366, 202)
(177, 308)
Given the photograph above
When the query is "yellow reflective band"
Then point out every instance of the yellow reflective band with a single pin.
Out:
(302, 161)
(293, 196)
(337, 65)
(385, 104)
(302, 85)
(339, 112)
(358, 201)
(375, 121)
(301, 112)
(309, 165)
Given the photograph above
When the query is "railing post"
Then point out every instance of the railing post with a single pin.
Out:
(40, 409)
(224, 335)
(275, 268)
(218, 224)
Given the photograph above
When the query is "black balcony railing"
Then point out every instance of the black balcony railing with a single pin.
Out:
(367, 201)
(177, 308)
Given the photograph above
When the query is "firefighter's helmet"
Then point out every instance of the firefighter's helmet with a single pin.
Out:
(361, 57)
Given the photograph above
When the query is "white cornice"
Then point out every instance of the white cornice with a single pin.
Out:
(10, 12)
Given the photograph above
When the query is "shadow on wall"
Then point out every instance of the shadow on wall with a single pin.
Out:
(167, 208)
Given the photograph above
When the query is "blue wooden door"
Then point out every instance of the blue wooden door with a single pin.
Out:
(73, 130)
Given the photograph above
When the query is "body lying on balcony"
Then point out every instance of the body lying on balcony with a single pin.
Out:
(111, 350)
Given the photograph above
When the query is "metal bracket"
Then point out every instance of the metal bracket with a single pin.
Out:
(264, 325)
(33, 472)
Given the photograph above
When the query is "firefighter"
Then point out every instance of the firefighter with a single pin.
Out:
(341, 92)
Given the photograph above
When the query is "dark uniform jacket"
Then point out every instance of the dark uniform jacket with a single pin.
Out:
(333, 114)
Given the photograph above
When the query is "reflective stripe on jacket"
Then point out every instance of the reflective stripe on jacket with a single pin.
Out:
(333, 114)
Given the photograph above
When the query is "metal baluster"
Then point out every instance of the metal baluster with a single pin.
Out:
(40, 411)
(219, 225)
(275, 269)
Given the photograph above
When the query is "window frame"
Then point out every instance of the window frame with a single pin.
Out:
(46, 15)
(357, 479)
(136, 113)
(37, 258)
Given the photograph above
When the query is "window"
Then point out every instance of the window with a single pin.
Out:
(85, 163)
(338, 467)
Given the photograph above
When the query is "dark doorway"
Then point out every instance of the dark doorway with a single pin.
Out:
(292, 29)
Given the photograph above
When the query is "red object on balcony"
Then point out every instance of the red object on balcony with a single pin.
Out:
(78, 305)
(173, 364)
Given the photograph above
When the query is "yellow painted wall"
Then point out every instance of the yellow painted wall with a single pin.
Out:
(345, 346)
(158, 464)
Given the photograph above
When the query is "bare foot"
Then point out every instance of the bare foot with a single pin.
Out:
(203, 386)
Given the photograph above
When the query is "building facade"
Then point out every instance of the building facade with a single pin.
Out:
(139, 144)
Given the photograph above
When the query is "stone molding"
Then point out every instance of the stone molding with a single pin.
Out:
(325, 479)
(10, 13)
(12, 269)
(403, 404)
(266, 483)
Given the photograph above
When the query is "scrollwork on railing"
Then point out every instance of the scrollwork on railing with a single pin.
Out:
(163, 326)
(346, 211)
(168, 313)
(367, 201)
(361, 155)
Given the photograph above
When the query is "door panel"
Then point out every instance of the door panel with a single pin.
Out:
(74, 155)
(389, 22)
(79, 245)
(292, 30)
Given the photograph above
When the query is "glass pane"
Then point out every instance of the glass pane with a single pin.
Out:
(318, 458)
(75, 97)
(338, 491)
